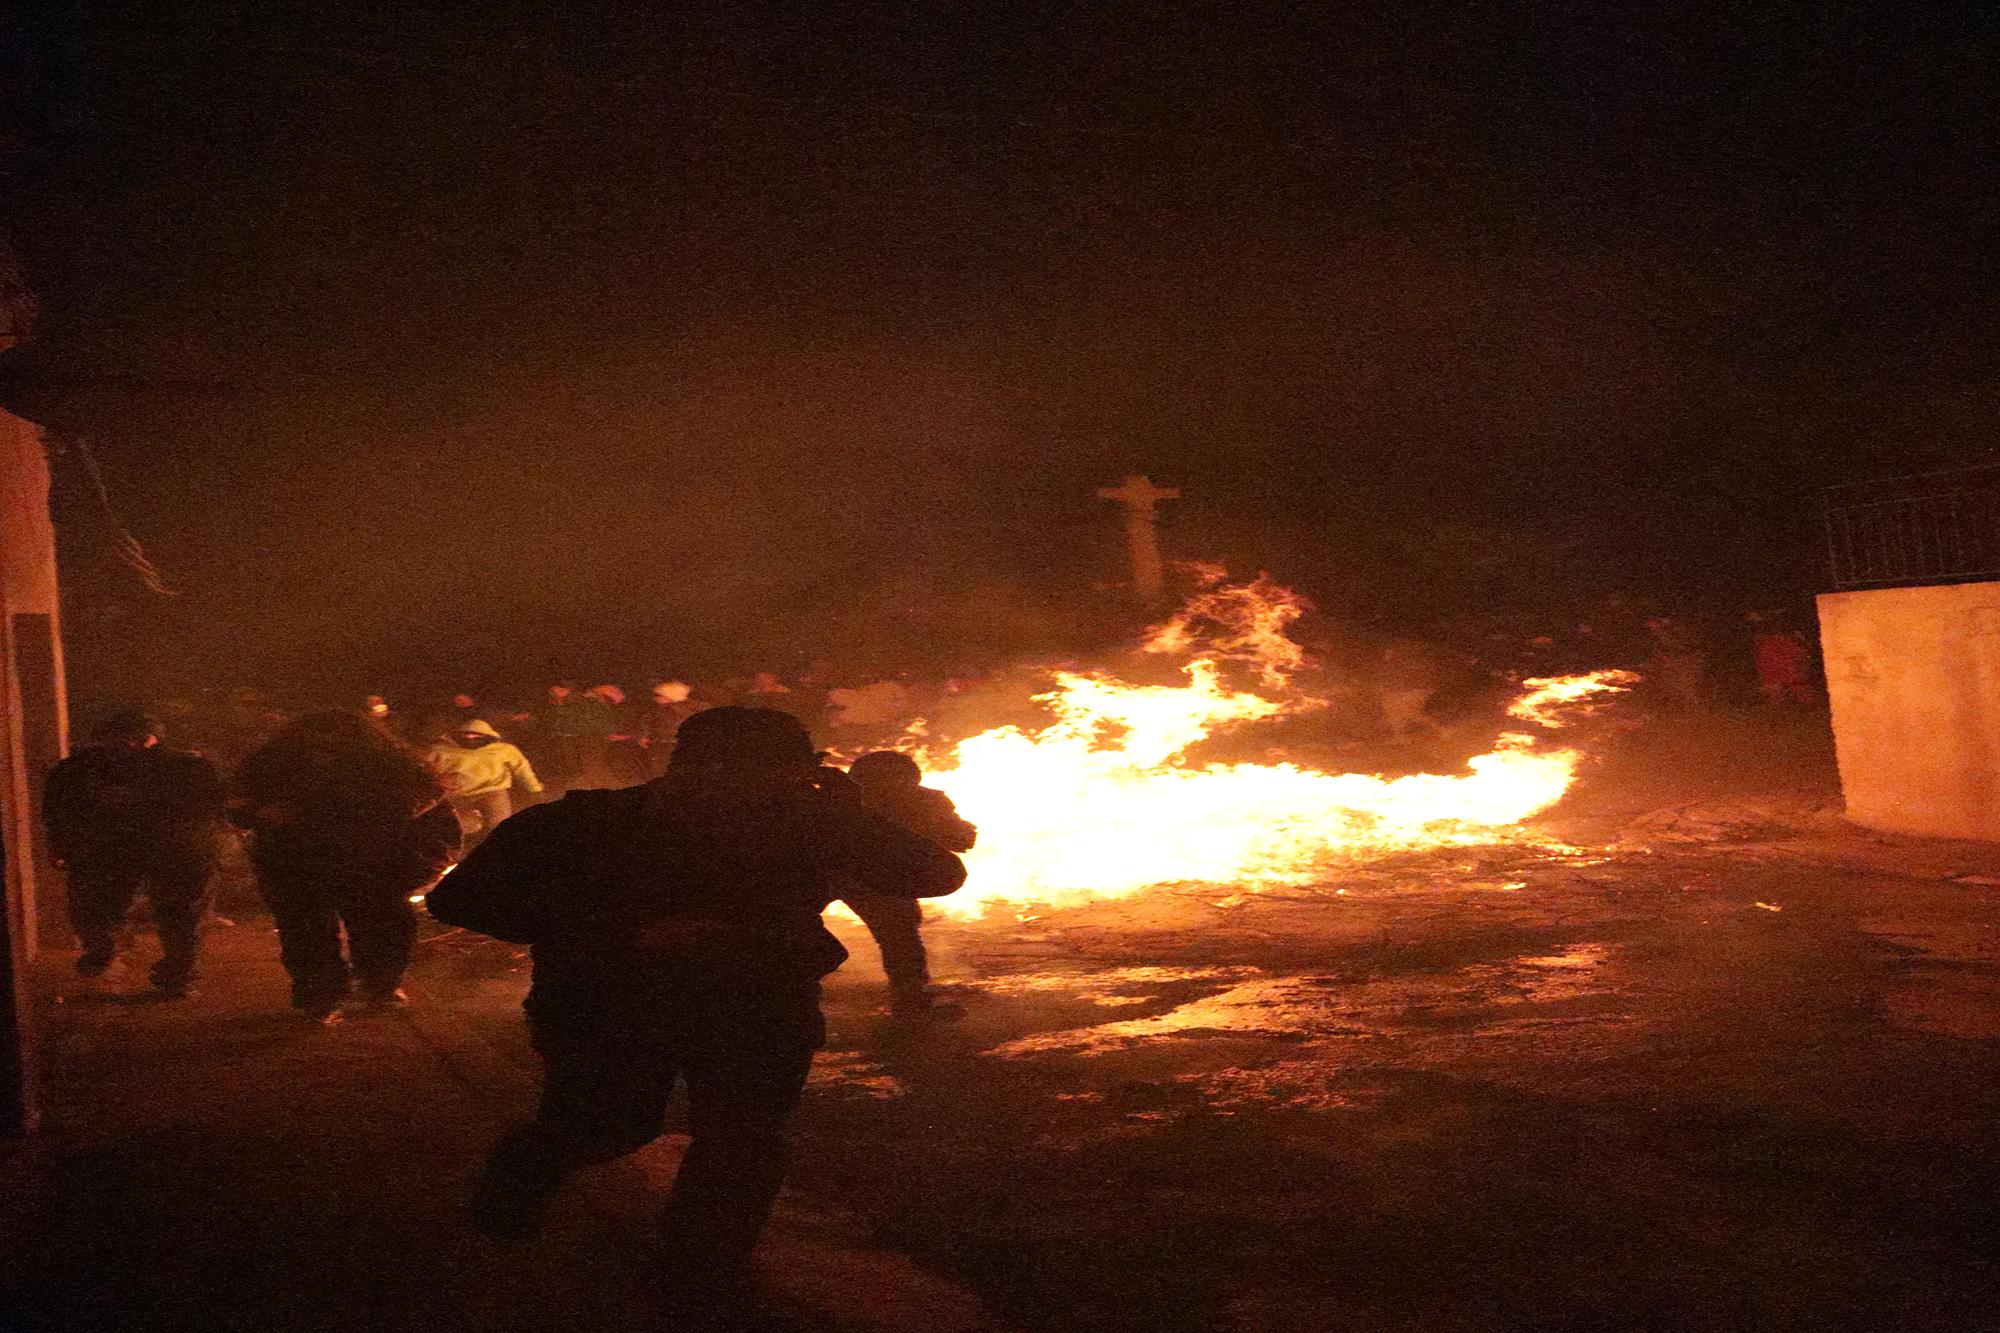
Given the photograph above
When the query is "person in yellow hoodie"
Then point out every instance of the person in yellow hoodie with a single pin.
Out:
(481, 772)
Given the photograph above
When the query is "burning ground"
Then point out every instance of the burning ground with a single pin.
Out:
(1736, 1068)
(1681, 1051)
(1738, 1078)
(1110, 793)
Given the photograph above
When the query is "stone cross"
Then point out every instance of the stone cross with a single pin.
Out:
(1140, 496)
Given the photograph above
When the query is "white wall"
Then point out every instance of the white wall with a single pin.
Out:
(1914, 677)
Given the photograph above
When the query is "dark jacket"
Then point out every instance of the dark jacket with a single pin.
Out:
(377, 815)
(713, 882)
(115, 801)
(927, 812)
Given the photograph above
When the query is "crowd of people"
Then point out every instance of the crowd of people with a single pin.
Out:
(667, 861)
(575, 734)
(674, 924)
(346, 818)
(481, 759)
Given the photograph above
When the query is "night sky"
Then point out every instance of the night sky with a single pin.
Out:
(552, 342)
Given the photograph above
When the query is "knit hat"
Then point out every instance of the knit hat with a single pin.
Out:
(757, 737)
(886, 768)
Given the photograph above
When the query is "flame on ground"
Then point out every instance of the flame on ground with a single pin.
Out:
(1546, 697)
(1102, 800)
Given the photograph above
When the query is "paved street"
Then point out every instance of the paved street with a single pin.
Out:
(219, 1165)
(1723, 1064)
(1725, 1084)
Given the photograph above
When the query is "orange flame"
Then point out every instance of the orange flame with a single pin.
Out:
(1102, 800)
(1245, 621)
(1548, 696)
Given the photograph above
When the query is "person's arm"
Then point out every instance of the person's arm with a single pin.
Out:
(524, 775)
(871, 849)
(942, 823)
(501, 887)
(960, 835)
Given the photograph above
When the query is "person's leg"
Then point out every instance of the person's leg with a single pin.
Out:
(308, 934)
(896, 924)
(605, 1087)
(179, 884)
(101, 889)
(381, 928)
(742, 1090)
(493, 806)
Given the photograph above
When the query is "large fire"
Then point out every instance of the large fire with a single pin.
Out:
(1103, 801)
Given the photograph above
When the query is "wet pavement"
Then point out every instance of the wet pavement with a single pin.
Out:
(217, 1164)
(1718, 1082)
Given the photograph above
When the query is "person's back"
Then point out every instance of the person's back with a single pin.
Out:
(120, 800)
(676, 934)
(332, 797)
(92, 800)
(346, 823)
(126, 815)
(475, 760)
(927, 812)
(730, 871)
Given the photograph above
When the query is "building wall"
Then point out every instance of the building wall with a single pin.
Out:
(1914, 677)
(32, 702)
(32, 736)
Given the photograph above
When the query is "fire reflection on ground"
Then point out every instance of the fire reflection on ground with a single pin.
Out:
(1519, 1063)
(1447, 1086)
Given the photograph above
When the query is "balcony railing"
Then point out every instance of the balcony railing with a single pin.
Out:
(1940, 527)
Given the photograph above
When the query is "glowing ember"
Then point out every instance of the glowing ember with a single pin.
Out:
(1102, 800)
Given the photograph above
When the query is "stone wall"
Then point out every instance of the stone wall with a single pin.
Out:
(1914, 678)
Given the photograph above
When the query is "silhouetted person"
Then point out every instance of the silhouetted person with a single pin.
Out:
(676, 934)
(347, 822)
(660, 721)
(1783, 662)
(578, 728)
(621, 760)
(1678, 668)
(126, 814)
(481, 773)
(892, 785)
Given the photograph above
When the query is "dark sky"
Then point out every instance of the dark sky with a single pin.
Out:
(579, 339)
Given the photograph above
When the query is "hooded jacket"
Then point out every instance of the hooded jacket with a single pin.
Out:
(710, 880)
(477, 771)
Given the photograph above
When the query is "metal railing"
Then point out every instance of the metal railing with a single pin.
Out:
(1937, 527)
